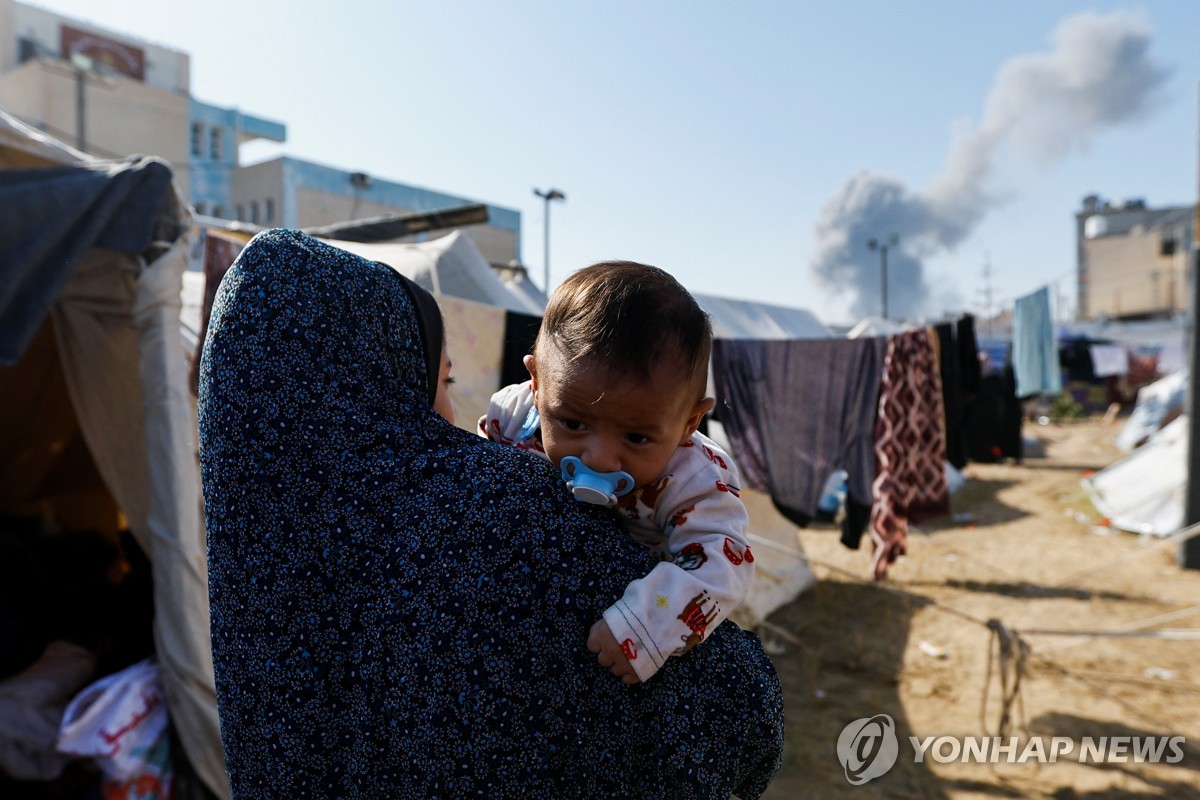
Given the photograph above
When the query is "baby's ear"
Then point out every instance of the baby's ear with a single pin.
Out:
(701, 408)
(531, 364)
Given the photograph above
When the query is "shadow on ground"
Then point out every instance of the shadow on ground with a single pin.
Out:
(1030, 590)
(977, 498)
(1183, 779)
(846, 666)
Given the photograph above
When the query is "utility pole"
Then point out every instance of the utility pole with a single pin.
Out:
(988, 293)
(882, 246)
(83, 65)
(1189, 549)
(547, 196)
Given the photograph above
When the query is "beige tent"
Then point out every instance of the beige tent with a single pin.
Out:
(98, 429)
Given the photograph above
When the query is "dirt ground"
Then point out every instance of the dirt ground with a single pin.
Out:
(1025, 547)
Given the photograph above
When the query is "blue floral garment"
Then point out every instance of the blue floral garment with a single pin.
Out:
(400, 608)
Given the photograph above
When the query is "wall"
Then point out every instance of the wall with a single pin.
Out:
(121, 116)
(165, 68)
(1132, 259)
(1129, 276)
(313, 194)
(214, 136)
(259, 183)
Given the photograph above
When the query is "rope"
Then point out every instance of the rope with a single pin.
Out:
(1136, 554)
(762, 541)
(1081, 636)
(1111, 696)
(1011, 655)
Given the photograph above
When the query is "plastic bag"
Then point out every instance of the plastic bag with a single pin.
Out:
(120, 721)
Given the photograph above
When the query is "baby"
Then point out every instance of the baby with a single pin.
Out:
(618, 373)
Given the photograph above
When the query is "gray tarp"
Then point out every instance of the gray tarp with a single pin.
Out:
(52, 216)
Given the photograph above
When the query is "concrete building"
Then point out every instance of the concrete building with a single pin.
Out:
(113, 95)
(214, 135)
(293, 193)
(1132, 261)
(101, 92)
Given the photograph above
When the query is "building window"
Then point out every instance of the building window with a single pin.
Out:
(241, 213)
(201, 208)
(254, 212)
(219, 211)
(197, 138)
(214, 144)
(269, 210)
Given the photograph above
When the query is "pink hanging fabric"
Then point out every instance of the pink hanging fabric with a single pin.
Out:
(910, 447)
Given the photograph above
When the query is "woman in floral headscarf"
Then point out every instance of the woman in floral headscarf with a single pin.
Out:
(399, 608)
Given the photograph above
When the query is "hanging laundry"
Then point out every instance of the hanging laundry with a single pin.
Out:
(958, 363)
(796, 410)
(970, 371)
(910, 447)
(993, 419)
(1035, 354)
(1075, 359)
(1109, 359)
(1173, 356)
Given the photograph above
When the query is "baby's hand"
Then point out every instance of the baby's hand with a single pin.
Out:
(602, 642)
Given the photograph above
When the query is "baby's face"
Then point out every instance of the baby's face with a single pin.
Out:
(612, 423)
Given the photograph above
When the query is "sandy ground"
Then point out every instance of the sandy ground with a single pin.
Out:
(1034, 557)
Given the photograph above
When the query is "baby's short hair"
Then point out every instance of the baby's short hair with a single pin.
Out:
(629, 317)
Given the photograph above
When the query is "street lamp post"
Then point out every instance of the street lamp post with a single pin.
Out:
(882, 247)
(83, 65)
(547, 196)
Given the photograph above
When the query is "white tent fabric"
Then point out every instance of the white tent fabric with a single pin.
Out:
(527, 292)
(117, 329)
(449, 265)
(781, 570)
(746, 319)
(876, 326)
(24, 146)
(1145, 491)
(1156, 403)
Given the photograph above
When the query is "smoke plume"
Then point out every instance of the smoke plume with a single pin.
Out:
(1042, 107)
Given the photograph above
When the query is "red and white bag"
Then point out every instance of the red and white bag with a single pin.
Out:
(120, 721)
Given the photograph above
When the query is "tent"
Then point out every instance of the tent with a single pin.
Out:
(1157, 404)
(450, 265)
(747, 319)
(91, 353)
(1145, 491)
(876, 326)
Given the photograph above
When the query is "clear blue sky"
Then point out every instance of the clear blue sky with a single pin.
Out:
(710, 138)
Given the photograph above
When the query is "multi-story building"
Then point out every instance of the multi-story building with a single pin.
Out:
(300, 194)
(1132, 261)
(112, 95)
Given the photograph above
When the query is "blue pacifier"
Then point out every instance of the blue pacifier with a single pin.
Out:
(597, 488)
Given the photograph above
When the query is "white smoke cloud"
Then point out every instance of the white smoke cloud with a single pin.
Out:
(1042, 107)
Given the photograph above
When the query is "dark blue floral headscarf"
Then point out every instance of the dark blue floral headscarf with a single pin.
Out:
(400, 608)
